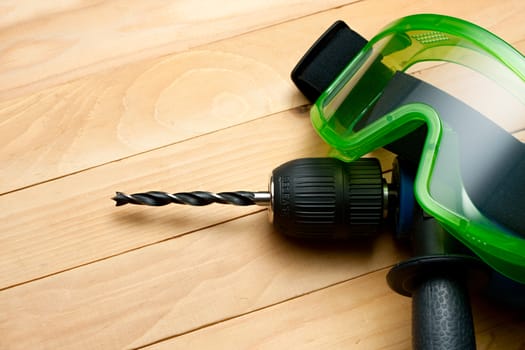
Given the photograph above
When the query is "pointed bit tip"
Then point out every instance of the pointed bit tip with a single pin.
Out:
(120, 199)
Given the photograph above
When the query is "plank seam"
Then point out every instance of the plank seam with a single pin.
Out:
(211, 324)
(141, 153)
(129, 250)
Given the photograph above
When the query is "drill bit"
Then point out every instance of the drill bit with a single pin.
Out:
(196, 198)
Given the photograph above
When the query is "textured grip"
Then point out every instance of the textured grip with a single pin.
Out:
(441, 316)
(327, 198)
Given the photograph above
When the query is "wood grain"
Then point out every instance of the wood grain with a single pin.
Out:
(49, 43)
(83, 226)
(153, 103)
(342, 317)
(100, 96)
(179, 285)
(337, 317)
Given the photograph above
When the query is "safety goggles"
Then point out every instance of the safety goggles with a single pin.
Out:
(450, 96)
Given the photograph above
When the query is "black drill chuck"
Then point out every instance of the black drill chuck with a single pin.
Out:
(328, 198)
(307, 198)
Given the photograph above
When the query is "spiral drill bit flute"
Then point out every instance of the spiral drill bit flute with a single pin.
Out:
(195, 198)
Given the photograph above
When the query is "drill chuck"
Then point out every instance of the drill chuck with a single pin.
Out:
(328, 198)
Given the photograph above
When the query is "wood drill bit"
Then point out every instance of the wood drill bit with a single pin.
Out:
(196, 198)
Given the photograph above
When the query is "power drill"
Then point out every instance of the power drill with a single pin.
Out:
(365, 100)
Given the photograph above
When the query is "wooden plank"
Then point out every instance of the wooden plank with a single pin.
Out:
(71, 221)
(58, 41)
(136, 108)
(77, 273)
(155, 102)
(498, 326)
(178, 286)
(358, 314)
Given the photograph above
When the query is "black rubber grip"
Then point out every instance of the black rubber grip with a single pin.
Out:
(441, 316)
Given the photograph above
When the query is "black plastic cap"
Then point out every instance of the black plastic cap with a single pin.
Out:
(325, 198)
(328, 56)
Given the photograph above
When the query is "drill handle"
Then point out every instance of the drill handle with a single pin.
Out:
(441, 315)
(436, 278)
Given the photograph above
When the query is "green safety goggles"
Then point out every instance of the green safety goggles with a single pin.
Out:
(450, 96)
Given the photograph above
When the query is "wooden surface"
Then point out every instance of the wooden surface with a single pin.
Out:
(136, 95)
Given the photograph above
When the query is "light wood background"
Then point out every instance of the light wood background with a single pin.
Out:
(135, 95)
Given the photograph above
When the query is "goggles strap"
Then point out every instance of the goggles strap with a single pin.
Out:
(327, 57)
